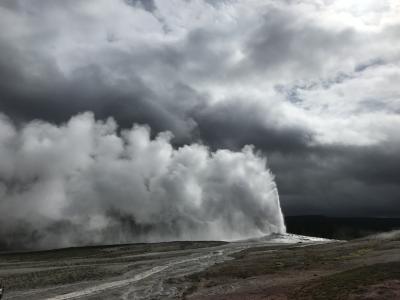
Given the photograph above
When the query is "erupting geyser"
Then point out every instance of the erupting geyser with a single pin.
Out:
(83, 182)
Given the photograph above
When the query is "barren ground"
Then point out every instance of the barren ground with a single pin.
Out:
(360, 269)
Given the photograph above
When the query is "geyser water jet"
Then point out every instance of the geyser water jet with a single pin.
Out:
(85, 183)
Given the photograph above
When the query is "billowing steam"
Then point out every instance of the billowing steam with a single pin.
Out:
(85, 182)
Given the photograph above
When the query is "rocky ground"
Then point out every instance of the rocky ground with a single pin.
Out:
(287, 267)
(360, 269)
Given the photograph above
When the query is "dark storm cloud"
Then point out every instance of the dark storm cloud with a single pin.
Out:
(50, 95)
(374, 62)
(33, 85)
(375, 165)
(148, 5)
(347, 181)
(238, 123)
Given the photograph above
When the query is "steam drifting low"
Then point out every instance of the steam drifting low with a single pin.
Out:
(85, 182)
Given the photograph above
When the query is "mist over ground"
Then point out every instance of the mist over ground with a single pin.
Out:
(85, 182)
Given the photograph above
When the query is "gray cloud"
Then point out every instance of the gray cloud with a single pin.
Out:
(286, 41)
(148, 5)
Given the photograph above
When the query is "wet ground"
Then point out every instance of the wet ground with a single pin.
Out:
(281, 267)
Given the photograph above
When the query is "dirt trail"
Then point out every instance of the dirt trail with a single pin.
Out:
(109, 285)
(206, 259)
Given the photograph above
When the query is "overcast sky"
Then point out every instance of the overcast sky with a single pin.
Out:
(314, 85)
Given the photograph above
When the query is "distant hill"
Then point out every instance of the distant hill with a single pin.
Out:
(339, 228)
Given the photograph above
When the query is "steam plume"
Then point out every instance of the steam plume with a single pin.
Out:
(85, 182)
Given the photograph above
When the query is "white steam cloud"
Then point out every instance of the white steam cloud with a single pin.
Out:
(86, 182)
